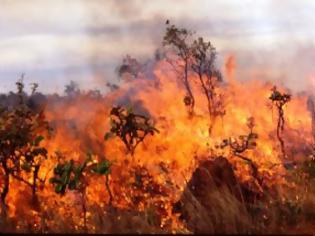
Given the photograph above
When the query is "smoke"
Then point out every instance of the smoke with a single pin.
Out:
(86, 40)
(293, 69)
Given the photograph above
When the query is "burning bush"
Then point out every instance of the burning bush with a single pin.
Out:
(20, 150)
(131, 128)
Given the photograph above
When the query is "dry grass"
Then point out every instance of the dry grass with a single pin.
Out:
(288, 210)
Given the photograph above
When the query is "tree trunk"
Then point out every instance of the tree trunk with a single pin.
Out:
(6, 186)
(108, 190)
(35, 177)
(209, 105)
(189, 91)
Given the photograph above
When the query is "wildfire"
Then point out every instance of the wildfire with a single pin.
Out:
(152, 176)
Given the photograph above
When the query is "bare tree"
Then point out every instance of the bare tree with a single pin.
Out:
(279, 100)
(203, 65)
(178, 40)
(197, 56)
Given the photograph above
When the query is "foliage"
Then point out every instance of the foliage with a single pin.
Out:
(72, 89)
(20, 150)
(131, 67)
(177, 39)
(131, 128)
(198, 56)
(34, 87)
(67, 176)
(204, 56)
(112, 87)
(70, 175)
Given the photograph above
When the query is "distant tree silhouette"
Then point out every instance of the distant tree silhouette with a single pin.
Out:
(72, 89)
(130, 68)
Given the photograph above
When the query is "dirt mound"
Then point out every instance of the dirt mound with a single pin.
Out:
(203, 204)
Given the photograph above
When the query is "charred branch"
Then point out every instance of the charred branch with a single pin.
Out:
(279, 100)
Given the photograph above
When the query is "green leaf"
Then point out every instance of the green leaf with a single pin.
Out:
(26, 166)
(59, 188)
(129, 110)
(58, 170)
(54, 180)
(68, 166)
(108, 135)
(72, 185)
(102, 168)
(39, 151)
(66, 173)
(37, 140)
(247, 162)
(112, 122)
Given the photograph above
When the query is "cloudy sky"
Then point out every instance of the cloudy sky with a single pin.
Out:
(55, 41)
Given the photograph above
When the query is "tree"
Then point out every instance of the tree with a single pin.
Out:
(204, 55)
(72, 176)
(130, 68)
(177, 39)
(72, 89)
(34, 87)
(279, 100)
(112, 87)
(20, 150)
(198, 56)
(131, 128)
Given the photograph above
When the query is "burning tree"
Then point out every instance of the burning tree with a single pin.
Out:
(198, 56)
(131, 128)
(204, 56)
(20, 151)
(178, 40)
(72, 176)
(279, 100)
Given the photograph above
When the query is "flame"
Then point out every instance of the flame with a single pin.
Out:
(80, 124)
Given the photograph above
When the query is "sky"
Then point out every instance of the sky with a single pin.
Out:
(55, 41)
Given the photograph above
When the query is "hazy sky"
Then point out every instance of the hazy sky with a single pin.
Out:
(54, 41)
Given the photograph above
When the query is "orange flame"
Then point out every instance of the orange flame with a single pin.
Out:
(80, 125)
